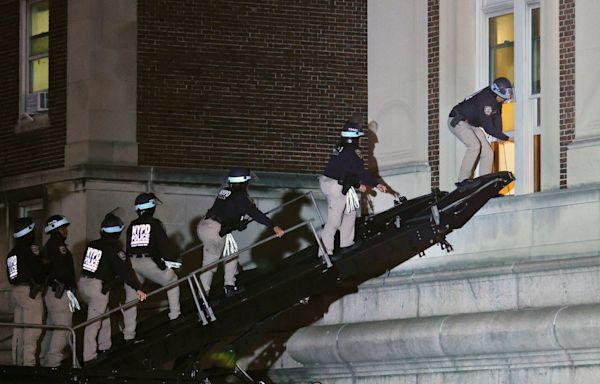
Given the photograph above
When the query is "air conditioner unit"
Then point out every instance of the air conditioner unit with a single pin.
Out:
(37, 102)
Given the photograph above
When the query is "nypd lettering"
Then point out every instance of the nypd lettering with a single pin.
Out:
(11, 265)
(92, 259)
(223, 194)
(140, 235)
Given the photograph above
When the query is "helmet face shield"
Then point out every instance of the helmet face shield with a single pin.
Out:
(239, 175)
(503, 88)
(146, 201)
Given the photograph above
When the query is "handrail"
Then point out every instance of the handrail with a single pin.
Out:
(188, 278)
(72, 342)
(309, 193)
(189, 275)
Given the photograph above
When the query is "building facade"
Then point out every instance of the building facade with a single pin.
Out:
(517, 301)
(105, 99)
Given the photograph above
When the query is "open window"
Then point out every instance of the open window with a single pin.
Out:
(513, 51)
(35, 60)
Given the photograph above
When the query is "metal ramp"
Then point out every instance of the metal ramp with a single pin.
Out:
(185, 350)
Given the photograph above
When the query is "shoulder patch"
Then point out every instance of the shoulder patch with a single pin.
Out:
(122, 255)
(223, 194)
(62, 249)
(487, 110)
(35, 249)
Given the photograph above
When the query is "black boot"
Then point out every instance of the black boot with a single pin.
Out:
(231, 290)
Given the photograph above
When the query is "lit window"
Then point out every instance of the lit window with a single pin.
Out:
(501, 45)
(502, 64)
(35, 20)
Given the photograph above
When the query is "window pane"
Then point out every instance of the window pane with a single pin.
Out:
(39, 45)
(39, 74)
(502, 30)
(502, 62)
(39, 18)
(502, 59)
(536, 85)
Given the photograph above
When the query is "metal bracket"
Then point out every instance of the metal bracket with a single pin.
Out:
(444, 244)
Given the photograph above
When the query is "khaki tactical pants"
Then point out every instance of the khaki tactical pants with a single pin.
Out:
(90, 290)
(477, 147)
(30, 311)
(146, 268)
(337, 217)
(213, 244)
(56, 340)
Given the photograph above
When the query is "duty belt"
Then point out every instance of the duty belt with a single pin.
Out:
(215, 218)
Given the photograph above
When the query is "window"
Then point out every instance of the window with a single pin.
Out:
(512, 49)
(502, 64)
(35, 28)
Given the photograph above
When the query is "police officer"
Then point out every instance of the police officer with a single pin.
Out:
(344, 172)
(483, 109)
(148, 248)
(27, 274)
(61, 279)
(226, 215)
(104, 259)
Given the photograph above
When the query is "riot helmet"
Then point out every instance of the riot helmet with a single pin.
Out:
(23, 227)
(239, 175)
(503, 88)
(351, 132)
(54, 222)
(146, 203)
(111, 224)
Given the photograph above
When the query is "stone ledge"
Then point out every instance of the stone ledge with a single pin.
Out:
(474, 338)
(165, 175)
(428, 366)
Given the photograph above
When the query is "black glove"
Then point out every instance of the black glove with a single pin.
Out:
(350, 180)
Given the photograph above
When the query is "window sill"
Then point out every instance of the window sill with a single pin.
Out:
(33, 122)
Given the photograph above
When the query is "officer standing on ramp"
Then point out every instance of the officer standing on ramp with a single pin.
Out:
(226, 215)
(483, 109)
(104, 259)
(148, 248)
(344, 172)
(59, 299)
(27, 274)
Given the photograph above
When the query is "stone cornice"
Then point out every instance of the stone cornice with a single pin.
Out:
(145, 174)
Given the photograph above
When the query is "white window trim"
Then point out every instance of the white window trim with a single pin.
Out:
(525, 108)
(27, 120)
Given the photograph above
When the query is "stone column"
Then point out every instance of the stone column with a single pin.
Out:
(584, 152)
(101, 82)
(397, 41)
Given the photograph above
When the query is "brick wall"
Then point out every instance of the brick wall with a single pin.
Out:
(264, 83)
(43, 148)
(567, 82)
(433, 89)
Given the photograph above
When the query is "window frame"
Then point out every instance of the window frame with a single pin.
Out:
(25, 72)
(526, 106)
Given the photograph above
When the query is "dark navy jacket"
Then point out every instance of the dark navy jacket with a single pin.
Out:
(345, 161)
(105, 260)
(230, 207)
(61, 262)
(483, 110)
(24, 264)
(146, 235)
